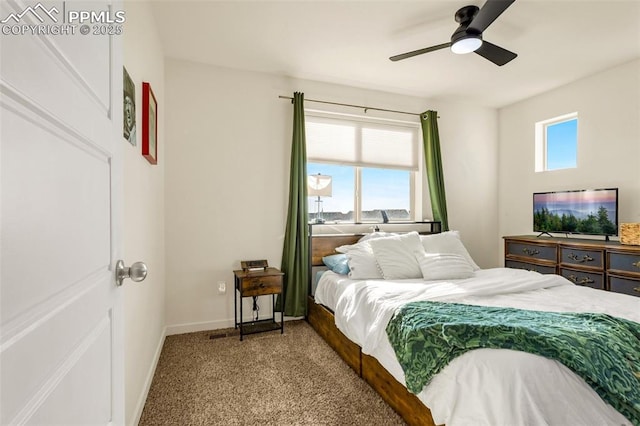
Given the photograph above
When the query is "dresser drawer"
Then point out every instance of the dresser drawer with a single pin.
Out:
(532, 251)
(257, 286)
(624, 285)
(590, 258)
(530, 267)
(624, 262)
(587, 279)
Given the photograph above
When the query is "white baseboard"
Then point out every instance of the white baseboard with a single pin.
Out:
(193, 327)
(147, 383)
(214, 325)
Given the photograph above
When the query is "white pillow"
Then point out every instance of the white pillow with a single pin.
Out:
(377, 234)
(361, 261)
(443, 266)
(396, 255)
(447, 242)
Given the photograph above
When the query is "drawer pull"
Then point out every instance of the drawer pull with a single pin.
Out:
(580, 281)
(577, 259)
(530, 252)
(637, 289)
(636, 264)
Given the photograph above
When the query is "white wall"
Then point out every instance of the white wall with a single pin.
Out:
(608, 106)
(227, 167)
(144, 303)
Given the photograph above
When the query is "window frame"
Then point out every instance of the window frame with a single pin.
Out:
(415, 189)
(541, 141)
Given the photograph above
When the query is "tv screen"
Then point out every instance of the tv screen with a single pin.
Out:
(589, 211)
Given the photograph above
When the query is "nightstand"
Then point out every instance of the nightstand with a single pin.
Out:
(263, 282)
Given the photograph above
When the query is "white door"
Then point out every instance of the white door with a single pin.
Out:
(61, 329)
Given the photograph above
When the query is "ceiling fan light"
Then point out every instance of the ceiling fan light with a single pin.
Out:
(466, 45)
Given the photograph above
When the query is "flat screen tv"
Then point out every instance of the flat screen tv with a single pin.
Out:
(588, 211)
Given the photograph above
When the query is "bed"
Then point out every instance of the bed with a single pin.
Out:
(483, 386)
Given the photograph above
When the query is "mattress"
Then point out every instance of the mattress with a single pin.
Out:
(483, 386)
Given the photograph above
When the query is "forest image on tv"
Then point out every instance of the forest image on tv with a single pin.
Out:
(581, 212)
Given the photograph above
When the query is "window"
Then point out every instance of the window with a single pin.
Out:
(372, 164)
(339, 207)
(557, 143)
(385, 190)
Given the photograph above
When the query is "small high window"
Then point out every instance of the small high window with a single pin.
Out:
(557, 143)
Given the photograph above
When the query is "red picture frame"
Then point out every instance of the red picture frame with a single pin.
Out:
(149, 124)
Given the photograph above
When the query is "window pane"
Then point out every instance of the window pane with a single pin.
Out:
(385, 190)
(562, 143)
(338, 207)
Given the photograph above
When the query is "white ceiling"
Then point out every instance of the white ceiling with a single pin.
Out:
(349, 42)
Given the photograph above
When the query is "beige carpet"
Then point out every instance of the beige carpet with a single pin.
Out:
(268, 379)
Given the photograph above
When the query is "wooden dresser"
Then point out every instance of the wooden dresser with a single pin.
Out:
(604, 265)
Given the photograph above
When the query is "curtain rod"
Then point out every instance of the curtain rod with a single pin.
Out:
(354, 106)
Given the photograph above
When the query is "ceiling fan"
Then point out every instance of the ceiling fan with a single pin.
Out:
(467, 37)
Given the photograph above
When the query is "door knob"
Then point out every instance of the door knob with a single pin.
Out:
(137, 272)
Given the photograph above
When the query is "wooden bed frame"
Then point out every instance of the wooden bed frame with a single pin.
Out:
(412, 410)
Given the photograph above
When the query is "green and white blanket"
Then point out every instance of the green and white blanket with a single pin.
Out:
(603, 350)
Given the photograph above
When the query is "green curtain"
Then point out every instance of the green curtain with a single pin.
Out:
(295, 253)
(433, 163)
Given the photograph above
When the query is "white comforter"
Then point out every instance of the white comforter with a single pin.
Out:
(484, 386)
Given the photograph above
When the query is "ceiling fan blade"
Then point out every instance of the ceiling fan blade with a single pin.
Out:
(488, 13)
(419, 52)
(495, 54)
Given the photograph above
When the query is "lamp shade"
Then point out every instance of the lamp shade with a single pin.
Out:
(319, 185)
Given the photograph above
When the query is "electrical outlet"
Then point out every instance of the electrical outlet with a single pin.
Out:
(222, 287)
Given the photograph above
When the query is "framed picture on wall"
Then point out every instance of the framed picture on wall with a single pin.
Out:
(149, 124)
(129, 104)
